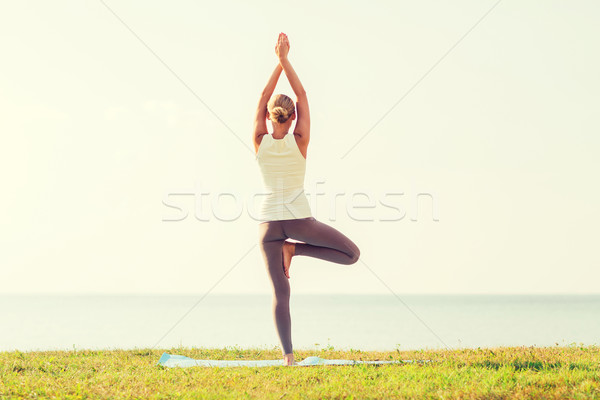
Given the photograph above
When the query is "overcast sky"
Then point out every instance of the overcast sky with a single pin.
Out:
(459, 153)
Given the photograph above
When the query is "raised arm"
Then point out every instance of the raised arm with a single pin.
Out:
(260, 118)
(302, 129)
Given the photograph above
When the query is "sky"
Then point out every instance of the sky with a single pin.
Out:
(455, 143)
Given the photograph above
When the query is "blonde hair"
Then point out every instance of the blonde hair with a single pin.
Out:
(281, 108)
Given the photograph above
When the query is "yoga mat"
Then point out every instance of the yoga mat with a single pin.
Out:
(173, 360)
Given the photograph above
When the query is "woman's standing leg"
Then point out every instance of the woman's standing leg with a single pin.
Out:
(321, 241)
(271, 238)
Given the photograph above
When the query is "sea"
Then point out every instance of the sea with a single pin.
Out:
(337, 321)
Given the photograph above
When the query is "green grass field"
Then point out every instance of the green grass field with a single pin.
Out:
(571, 372)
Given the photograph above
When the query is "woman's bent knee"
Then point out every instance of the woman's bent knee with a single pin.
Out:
(355, 256)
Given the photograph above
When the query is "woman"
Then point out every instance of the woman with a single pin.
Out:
(285, 211)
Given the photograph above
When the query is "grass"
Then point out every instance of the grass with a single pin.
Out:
(571, 372)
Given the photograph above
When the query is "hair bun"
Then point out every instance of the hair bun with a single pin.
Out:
(281, 114)
(281, 107)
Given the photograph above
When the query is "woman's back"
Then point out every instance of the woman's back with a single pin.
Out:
(283, 169)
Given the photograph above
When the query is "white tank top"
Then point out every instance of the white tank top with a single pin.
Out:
(283, 167)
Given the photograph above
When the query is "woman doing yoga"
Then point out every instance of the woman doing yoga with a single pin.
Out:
(285, 212)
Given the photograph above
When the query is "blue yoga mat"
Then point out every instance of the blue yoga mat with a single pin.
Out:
(172, 360)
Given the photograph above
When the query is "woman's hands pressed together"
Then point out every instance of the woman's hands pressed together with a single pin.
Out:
(282, 47)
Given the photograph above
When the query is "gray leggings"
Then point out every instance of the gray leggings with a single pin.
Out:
(320, 241)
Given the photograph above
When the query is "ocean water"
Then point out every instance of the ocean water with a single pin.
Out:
(365, 322)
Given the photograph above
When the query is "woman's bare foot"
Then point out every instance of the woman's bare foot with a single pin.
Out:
(288, 249)
(288, 359)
